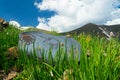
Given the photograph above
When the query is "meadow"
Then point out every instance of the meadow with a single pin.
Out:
(99, 60)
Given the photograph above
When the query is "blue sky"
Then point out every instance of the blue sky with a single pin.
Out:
(22, 11)
(60, 15)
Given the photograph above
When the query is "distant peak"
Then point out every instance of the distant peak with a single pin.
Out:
(90, 24)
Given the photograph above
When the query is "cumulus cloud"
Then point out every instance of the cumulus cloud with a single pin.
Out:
(115, 13)
(18, 26)
(42, 24)
(72, 14)
(14, 23)
(113, 22)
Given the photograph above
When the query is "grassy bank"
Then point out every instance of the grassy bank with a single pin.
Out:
(100, 60)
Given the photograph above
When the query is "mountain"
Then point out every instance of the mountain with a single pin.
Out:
(97, 30)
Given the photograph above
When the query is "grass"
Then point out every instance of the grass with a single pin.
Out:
(99, 60)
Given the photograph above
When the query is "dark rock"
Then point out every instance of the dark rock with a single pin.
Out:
(42, 41)
(12, 52)
(3, 24)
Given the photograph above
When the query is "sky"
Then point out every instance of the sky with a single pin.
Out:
(60, 15)
(22, 11)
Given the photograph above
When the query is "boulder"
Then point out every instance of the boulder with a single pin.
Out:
(3, 24)
(39, 42)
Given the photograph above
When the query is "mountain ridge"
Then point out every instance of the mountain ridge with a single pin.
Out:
(95, 30)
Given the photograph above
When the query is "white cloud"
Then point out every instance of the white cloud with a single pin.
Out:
(71, 14)
(113, 22)
(14, 23)
(42, 22)
(18, 26)
(24, 28)
(116, 13)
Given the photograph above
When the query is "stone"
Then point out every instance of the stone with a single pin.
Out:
(3, 24)
(11, 75)
(39, 41)
(12, 52)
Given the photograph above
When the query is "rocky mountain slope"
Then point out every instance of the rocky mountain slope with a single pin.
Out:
(97, 30)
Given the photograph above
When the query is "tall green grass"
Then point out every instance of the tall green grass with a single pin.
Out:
(8, 38)
(101, 64)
